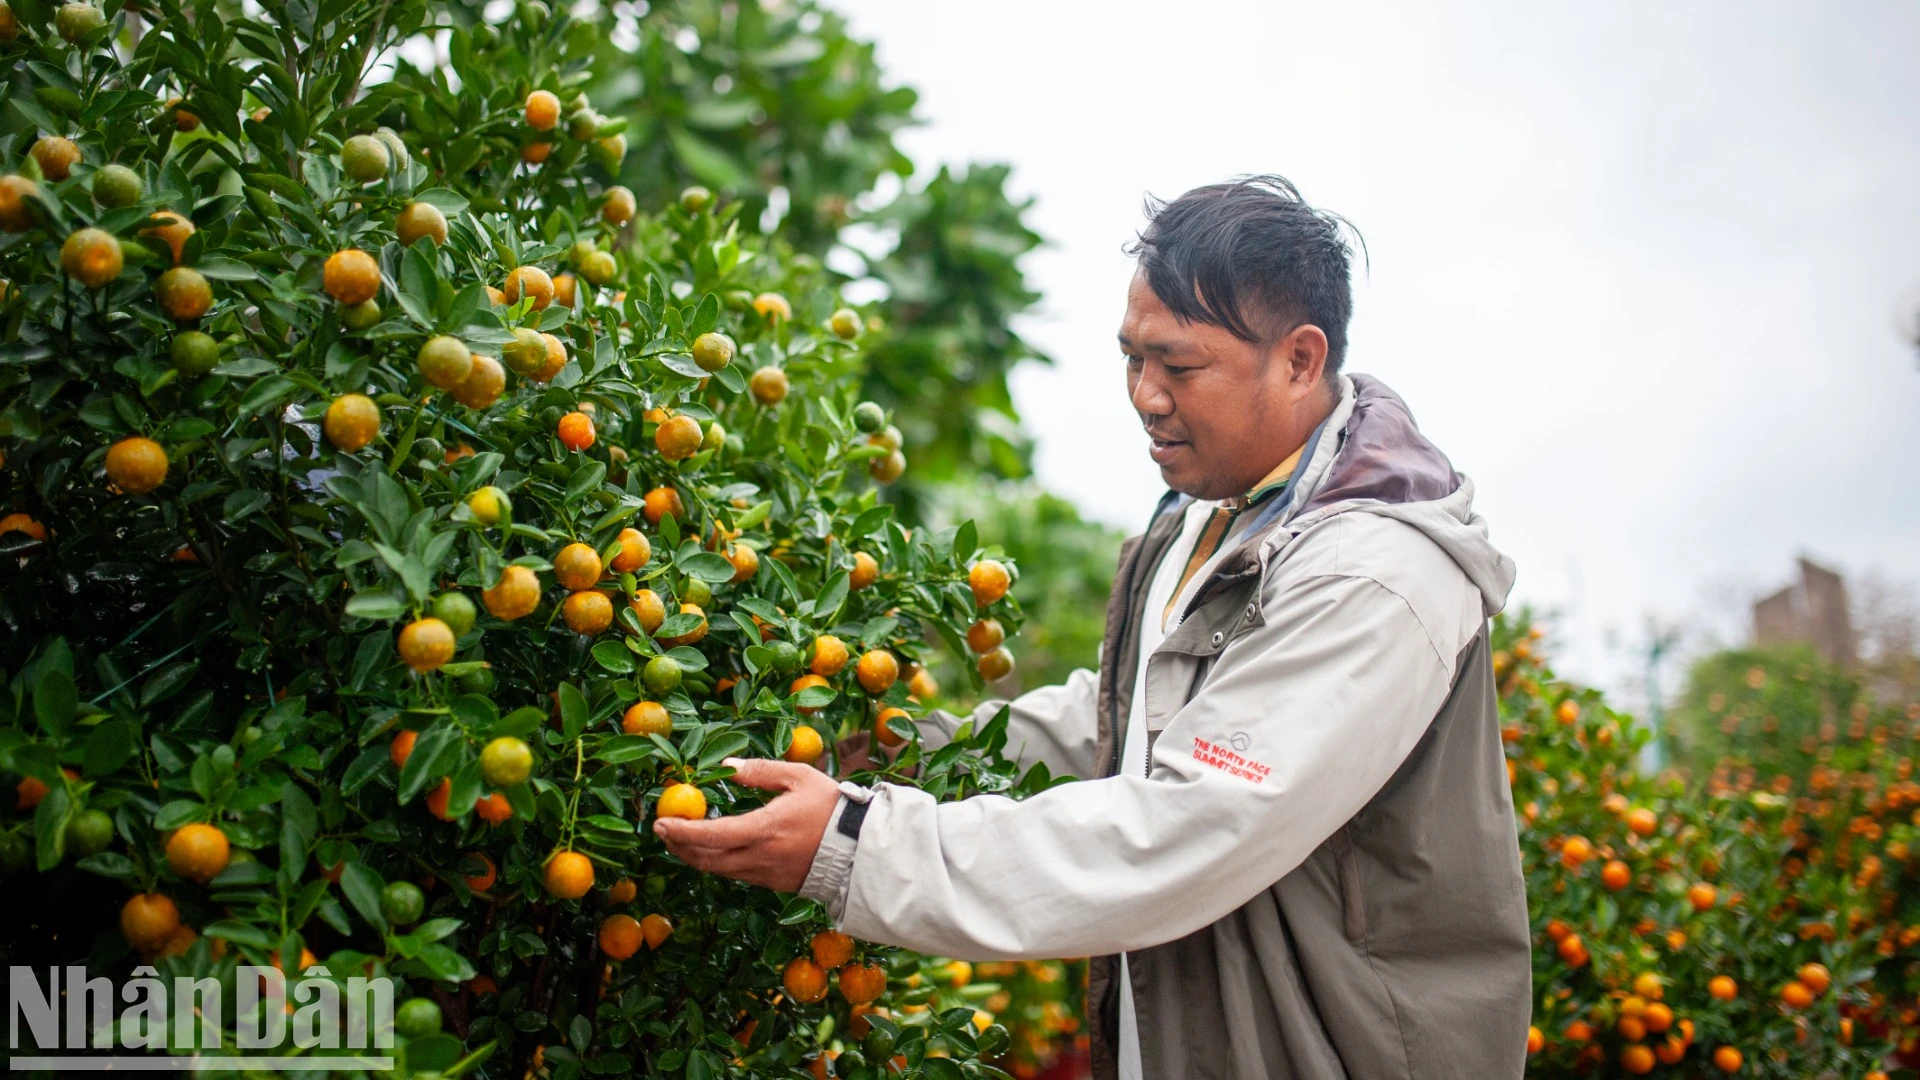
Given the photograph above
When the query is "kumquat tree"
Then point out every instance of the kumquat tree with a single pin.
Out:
(401, 514)
(1733, 923)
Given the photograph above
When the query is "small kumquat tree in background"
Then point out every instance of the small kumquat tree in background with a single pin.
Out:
(1727, 924)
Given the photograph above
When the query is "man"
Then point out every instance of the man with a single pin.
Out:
(1299, 855)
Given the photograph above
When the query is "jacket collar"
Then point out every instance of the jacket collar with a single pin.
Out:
(1274, 503)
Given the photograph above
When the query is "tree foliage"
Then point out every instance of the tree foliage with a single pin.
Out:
(751, 99)
(289, 604)
(780, 107)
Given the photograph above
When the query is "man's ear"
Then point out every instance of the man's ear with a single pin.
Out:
(1305, 351)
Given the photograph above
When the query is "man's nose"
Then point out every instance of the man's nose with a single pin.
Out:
(1149, 393)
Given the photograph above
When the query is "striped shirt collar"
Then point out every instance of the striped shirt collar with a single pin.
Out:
(1272, 484)
(1220, 521)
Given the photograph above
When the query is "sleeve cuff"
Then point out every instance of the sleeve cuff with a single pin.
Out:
(832, 868)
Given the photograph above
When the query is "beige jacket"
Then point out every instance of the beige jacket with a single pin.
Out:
(1307, 684)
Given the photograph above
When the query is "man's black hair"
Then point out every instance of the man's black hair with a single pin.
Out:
(1253, 258)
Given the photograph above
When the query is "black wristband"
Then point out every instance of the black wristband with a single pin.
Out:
(851, 819)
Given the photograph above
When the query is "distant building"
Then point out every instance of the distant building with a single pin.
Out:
(1812, 611)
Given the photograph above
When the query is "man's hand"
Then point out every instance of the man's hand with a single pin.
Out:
(772, 846)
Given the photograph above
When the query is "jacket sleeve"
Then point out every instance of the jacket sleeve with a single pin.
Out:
(1328, 697)
(1058, 725)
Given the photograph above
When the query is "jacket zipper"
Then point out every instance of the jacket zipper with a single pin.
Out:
(1117, 732)
(1113, 703)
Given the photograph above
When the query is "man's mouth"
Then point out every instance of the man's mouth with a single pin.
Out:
(1162, 448)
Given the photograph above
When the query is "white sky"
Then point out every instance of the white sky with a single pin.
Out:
(1635, 266)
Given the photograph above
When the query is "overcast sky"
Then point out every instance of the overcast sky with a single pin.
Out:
(1636, 266)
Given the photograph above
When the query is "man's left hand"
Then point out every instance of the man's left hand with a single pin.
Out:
(772, 846)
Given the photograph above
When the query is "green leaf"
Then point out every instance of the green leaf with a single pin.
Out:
(220, 269)
(379, 606)
(704, 1065)
(419, 278)
(434, 1052)
(99, 413)
(832, 597)
(614, 656)
(705, 317)
(54, 701)
(680, 623)
(871, 520)
(573, 711)
(624, 748)
(580, 1033)
(477, 712)
(296, 809)
(419, 310)
(269, 392)
(682, 364)
(293, 856)
(466, 789)
(799, 910)
(434, 756)
(446, 200)
(753, 515)
(239, 933)
(608, 823)
(368, 765)
(903, 727)
(722, 746)
(166, 682)
(448, 966)
(712, 165)
(586, 478)
(50, 827)
(109, 864)
(522, 721)
(242, 874)
(941, 1069)
(35, 116)
(689, 658)
(243, 504)
(177, 813)
(246, 367)
(814, 697)
(708, 566)
(758, 658)
(109, 747)
(436, 929)
(362, 885)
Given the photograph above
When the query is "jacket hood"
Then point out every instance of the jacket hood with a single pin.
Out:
(1370, 457)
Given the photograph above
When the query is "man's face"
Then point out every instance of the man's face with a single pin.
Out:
(1222, 412)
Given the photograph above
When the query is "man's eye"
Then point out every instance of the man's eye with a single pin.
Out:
(1176, 372)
